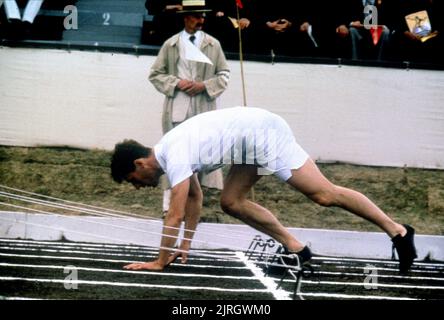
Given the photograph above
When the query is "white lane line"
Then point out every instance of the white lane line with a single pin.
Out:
(152, 255)
(149, 273)
(388, 262)
(62, 245)
(112, 260)
(136, 285)
(386, 269)
(19, 298)
(379, 276)
(228, 253)
(352, 296)
(76, 252)
(374, 261)
(269, 283)
(81, 244)
(128, 251)
(361, 284)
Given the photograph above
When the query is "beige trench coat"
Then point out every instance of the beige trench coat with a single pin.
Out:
(163, 75)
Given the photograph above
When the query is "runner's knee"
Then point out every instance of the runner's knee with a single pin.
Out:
(324, 198)
(196, 195)
(230, 205)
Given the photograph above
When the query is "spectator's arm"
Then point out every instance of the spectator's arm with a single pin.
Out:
(218, 84)
(160, 75)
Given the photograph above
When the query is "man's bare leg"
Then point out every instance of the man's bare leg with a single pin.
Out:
(311, 182)
(238, 184)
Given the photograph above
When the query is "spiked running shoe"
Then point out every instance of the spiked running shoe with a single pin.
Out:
(285, 259)
(304, 256)
(405, 247)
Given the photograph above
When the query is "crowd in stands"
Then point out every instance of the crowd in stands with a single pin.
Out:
(22, 19)
(317, 28)
(300, 28)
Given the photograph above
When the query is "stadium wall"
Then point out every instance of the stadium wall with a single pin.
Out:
(353, 114)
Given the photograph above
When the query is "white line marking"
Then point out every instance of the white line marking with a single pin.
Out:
(151, 255)
(150, 273)
(19, 298)
(390, 262)
(63, 245)
(379, 276)
(360, 284)
(271, 286)
(347, 296)
(386, 269)
(111, 260)
(221, 252)
(373, 261)
(137, 285)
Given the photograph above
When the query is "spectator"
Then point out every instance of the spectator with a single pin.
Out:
(323, 27)
(190, 85)
(165, 20)
(275, 27)
(417, 48)
(222, 22)
(364, 39)
(299, 31)
(31, 11)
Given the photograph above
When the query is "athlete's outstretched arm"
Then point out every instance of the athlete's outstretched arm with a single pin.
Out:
(176, 213)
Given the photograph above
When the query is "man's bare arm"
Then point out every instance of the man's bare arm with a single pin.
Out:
(193, 211)
(175, 216)
(176, 213)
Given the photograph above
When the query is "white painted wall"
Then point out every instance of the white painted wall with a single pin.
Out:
(361, 115)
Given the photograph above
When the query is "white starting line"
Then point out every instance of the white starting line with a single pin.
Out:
(108, 246)
(145, 256)
(137, 285)
(111, 260)
(148, 273)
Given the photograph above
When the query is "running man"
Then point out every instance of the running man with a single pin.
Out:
(255, 142)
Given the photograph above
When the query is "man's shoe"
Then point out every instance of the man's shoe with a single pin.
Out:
(285, 259)
(405, 247)
(303, 256)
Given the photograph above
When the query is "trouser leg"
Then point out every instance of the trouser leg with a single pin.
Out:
(12, 10)
(355, 39)
(32, 9)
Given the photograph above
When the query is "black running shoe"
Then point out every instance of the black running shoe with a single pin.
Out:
(405, 247)
(285, 259)
(304, 256)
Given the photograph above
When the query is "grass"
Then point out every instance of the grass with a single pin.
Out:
(413, 196)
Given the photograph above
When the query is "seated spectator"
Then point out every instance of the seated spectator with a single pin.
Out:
(275, 27)
(31, 11)
(223, 24)
(325, 27)
(165, 20)
(411, 45)
(23, 19)
(367, 41)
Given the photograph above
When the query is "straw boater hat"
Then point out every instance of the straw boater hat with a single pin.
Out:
(194, 6)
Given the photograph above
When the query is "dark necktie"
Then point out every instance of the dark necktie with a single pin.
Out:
(192, 38)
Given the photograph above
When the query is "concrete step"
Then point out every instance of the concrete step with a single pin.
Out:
(110, 19)
(127, 6)
(102, 33)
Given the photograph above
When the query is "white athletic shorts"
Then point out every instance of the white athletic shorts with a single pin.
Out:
(289, 154)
